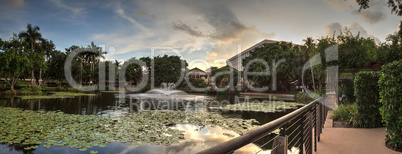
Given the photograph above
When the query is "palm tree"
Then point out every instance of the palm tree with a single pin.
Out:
(31, 35)
(309, 43)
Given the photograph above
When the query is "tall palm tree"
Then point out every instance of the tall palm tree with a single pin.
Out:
(31, 35)
(309, 43)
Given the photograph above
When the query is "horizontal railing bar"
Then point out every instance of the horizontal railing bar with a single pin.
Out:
(294, 130)
(257, 133)
(296, 122)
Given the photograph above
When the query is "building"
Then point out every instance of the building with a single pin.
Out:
(197, 73)
(236, 61)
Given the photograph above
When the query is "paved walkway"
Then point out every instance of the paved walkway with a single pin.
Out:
(353, 140)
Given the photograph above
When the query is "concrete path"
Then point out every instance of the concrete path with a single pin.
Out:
(352, 141)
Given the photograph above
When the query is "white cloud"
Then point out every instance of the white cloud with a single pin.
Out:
(373, 15)
(192, 28)
(354, 27)
(61, 4)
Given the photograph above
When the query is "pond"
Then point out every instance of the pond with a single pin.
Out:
(185, 135)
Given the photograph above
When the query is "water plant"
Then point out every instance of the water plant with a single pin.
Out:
(35, 128)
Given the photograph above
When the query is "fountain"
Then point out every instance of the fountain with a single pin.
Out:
(166, 91)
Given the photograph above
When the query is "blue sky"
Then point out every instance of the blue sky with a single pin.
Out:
(208, 31)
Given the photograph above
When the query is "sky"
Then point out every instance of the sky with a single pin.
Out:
(205, 33)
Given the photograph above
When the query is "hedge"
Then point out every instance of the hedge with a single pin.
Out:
(367, 99)
(390, 84)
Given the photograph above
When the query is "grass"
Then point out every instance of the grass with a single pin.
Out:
(56, 95)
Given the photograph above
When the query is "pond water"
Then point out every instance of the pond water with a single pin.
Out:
(197, 138)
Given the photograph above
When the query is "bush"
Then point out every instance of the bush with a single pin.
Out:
(21, 84)
(10, 92)
(198, 83)
(31, 90)
(343, 112)
(347, 88)
(390, 84)
(303, 98)
(367, 99)
(146, 88)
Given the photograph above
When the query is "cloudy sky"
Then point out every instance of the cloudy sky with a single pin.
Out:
(202, 31)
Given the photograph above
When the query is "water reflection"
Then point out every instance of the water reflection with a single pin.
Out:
(109, 104)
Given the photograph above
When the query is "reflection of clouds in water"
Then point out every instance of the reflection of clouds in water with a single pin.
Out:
(196, 140)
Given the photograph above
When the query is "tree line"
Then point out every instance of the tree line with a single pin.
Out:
(354, 51)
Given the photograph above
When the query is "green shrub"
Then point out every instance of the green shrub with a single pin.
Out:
(367, 99)
(146, 88)
(69, 89)
(198, 83)
(21, 84)
(59, 88)
(390, 84)
(343, 112)
(347, 88)
(31, 90)
(10, 92)
(303, 98)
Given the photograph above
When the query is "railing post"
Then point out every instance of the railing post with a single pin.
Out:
(319, 114)
(315, 127)
(301, 133)
(309, 146)
(322, 116)
(280, 145)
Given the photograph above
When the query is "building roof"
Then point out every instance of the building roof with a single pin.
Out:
(197, 70)
(266, 41)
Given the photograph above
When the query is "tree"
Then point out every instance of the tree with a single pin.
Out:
(55, 63)
(167, 69)
(31, 35)
(285, 72)
(354, 51)
(133, 71)
(391, 51)
(395, 5)
(213, 70)
(309, 52)
(13, 60)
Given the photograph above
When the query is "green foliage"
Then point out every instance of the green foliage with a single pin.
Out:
(10, 92)
(168, 69)
(21, 84)
(222, 76)
(133, 71)
(343, 112)
(146, 88)
(391, 51)
(14, 60)
(390, 84)
(286, 71)
(354, 51)
(367, 99)
(347, 88)
(56, 95)
(34, 89)
(198, 83)
(303, 98)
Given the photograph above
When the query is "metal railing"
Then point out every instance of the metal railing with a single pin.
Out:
(302, 126)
